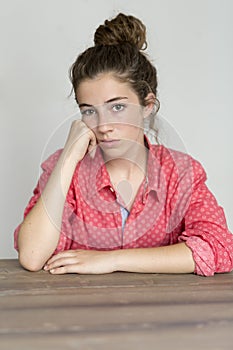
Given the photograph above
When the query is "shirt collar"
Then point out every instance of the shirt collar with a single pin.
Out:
(96, 172)
(99, 177)
(155, 178)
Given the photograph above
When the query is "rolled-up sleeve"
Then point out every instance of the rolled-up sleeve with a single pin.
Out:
(205, 229)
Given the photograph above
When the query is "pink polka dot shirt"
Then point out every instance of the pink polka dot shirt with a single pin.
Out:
(172, 205)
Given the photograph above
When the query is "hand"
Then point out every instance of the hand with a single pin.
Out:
(81, 140)
(82, 262)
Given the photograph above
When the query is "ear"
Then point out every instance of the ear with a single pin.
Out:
(149, 104)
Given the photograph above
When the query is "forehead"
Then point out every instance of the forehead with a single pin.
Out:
(103, 88)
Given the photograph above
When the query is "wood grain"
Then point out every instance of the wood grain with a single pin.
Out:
(114, 311)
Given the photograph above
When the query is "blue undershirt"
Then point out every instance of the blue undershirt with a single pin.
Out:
(124, 216)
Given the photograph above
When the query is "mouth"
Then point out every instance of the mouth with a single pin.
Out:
(109, 143)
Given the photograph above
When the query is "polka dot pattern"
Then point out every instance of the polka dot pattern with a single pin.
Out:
(173, 205)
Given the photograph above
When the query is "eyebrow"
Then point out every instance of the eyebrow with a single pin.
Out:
(108, 101)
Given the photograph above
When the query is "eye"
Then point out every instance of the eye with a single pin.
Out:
(118, 107)
(88, 112)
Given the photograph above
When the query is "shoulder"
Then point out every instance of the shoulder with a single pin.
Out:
(177, 161)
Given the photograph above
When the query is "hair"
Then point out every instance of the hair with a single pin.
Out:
(118, 46)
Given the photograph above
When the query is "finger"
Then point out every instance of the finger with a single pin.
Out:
(93, 142)
(74, 268)
(56, 257)
(92, 145)
(58, 271)
(62, 262)
(92, 151)
(61, 255)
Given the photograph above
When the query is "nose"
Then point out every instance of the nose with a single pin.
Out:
(104, 122)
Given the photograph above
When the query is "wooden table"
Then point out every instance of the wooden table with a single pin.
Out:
(115, 311)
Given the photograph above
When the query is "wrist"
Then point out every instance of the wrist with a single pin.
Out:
(117, 259)
(69, 159)
(64, 171)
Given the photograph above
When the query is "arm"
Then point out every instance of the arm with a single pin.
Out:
(39, 233)
(175, 258)
(205, 229)
(169, 259)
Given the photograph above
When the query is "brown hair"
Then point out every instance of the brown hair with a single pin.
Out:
(118, 49)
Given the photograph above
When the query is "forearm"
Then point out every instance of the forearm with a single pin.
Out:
(168, 259)
(40, 231)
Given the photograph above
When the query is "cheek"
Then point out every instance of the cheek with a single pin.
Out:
(134, 119)
(133, 123)
(130, 131)
(91, 124)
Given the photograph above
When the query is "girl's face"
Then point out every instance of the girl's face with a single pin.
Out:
(111, 109)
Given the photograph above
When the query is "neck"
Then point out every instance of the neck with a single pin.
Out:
(127, 174)
(129, 165)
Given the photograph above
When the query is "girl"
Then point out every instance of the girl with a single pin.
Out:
(110, 200)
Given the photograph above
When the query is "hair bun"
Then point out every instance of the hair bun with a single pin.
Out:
(122, 29)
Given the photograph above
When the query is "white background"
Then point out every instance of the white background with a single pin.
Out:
(191, 44)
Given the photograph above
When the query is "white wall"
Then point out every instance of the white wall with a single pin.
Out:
(191, 44)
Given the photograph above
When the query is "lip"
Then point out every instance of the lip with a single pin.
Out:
(109, 143)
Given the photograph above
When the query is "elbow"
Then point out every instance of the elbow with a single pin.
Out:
(30, 263)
